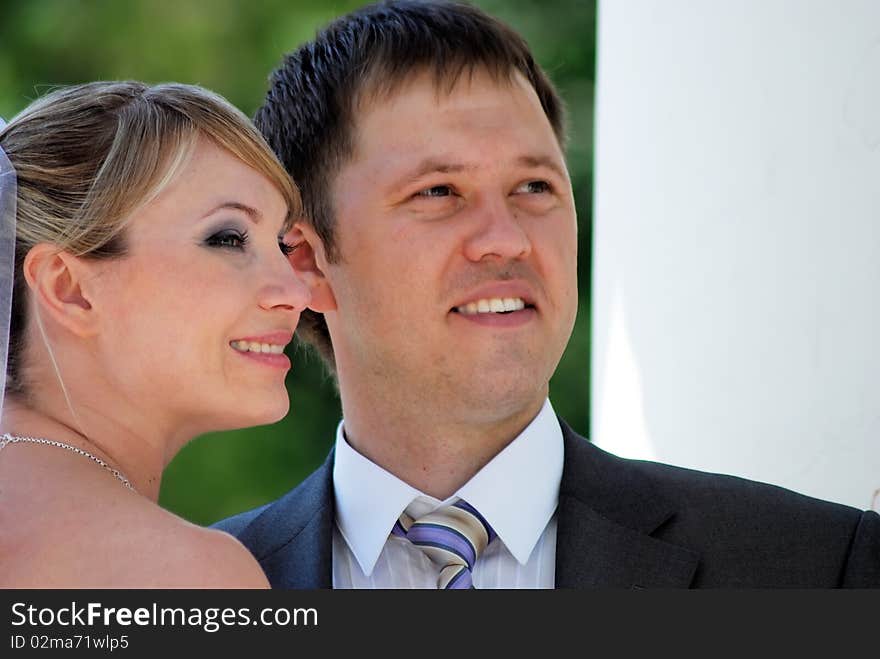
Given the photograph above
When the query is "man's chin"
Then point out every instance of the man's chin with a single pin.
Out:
(504, 397)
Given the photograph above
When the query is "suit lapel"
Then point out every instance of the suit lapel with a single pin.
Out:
(292, 538)
(607, 513)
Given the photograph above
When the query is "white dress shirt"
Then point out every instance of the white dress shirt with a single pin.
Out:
(517, 493)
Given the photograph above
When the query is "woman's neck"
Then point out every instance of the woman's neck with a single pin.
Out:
(138, 458)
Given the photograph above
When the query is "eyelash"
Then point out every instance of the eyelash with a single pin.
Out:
(239, 239)
(222, 239)
(286, 248)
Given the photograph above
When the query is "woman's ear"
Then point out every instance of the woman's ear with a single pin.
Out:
(55, 279)
(309, 262)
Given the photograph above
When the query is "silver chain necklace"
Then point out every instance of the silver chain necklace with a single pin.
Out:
(15, 439)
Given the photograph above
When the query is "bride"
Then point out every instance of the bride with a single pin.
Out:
(152, 301)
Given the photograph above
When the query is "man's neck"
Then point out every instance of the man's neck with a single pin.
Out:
(428, 449)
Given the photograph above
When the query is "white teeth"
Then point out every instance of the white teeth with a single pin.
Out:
(253, 346)
(492, 305)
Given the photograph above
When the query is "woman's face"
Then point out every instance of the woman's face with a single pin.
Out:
(195, 317)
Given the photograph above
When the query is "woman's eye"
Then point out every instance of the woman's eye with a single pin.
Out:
(534, 187)
(228, 239)
(435, 191)
(286, 248)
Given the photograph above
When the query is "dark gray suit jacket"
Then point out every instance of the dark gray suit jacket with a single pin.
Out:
(623, 524)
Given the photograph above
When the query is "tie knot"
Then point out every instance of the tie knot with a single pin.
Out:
(453, 537)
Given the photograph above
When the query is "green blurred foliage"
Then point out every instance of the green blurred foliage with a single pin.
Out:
(231, 46)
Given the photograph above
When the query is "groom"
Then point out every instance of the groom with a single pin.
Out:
(440, 248)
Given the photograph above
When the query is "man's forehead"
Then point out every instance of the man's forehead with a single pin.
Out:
(411, 105)
(400, 134)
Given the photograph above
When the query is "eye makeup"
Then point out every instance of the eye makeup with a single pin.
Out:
(227, 238)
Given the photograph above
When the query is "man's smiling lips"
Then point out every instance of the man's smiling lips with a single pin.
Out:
(492, 305)
(497, 305)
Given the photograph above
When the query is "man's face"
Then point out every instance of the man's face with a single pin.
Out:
(456, 280)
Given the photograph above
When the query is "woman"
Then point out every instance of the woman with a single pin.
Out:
(152, 303)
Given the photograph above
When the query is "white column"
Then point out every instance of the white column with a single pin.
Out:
(736, 292)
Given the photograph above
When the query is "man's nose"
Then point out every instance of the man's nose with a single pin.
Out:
(498, 232)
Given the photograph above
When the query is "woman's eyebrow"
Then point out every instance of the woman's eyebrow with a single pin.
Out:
(254, 214)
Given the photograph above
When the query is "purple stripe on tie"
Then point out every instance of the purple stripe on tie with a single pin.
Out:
(461, 581)
(464, 505)
(398, 530)
(436, 535)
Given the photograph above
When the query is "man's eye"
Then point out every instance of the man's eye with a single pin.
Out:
(534, 187)
(228, 239)
(435, 191)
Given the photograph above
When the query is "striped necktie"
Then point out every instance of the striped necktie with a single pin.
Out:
(453, 537)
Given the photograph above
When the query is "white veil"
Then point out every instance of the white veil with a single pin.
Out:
(8, 194)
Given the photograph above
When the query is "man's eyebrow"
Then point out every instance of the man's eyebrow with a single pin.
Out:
(254, 215)
(433, 166)
(445, 166)
(542, 161)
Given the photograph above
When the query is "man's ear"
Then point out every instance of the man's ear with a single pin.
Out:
(310, 262)
(55, 279)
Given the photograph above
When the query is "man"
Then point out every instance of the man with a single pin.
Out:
(440, 248)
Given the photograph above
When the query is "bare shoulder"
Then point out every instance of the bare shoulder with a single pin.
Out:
(174, 553)
(130, 543)
(198, 557)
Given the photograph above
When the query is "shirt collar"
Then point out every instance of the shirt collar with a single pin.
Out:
(517, 492)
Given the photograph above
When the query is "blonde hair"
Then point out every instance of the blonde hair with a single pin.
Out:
(88, 157)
